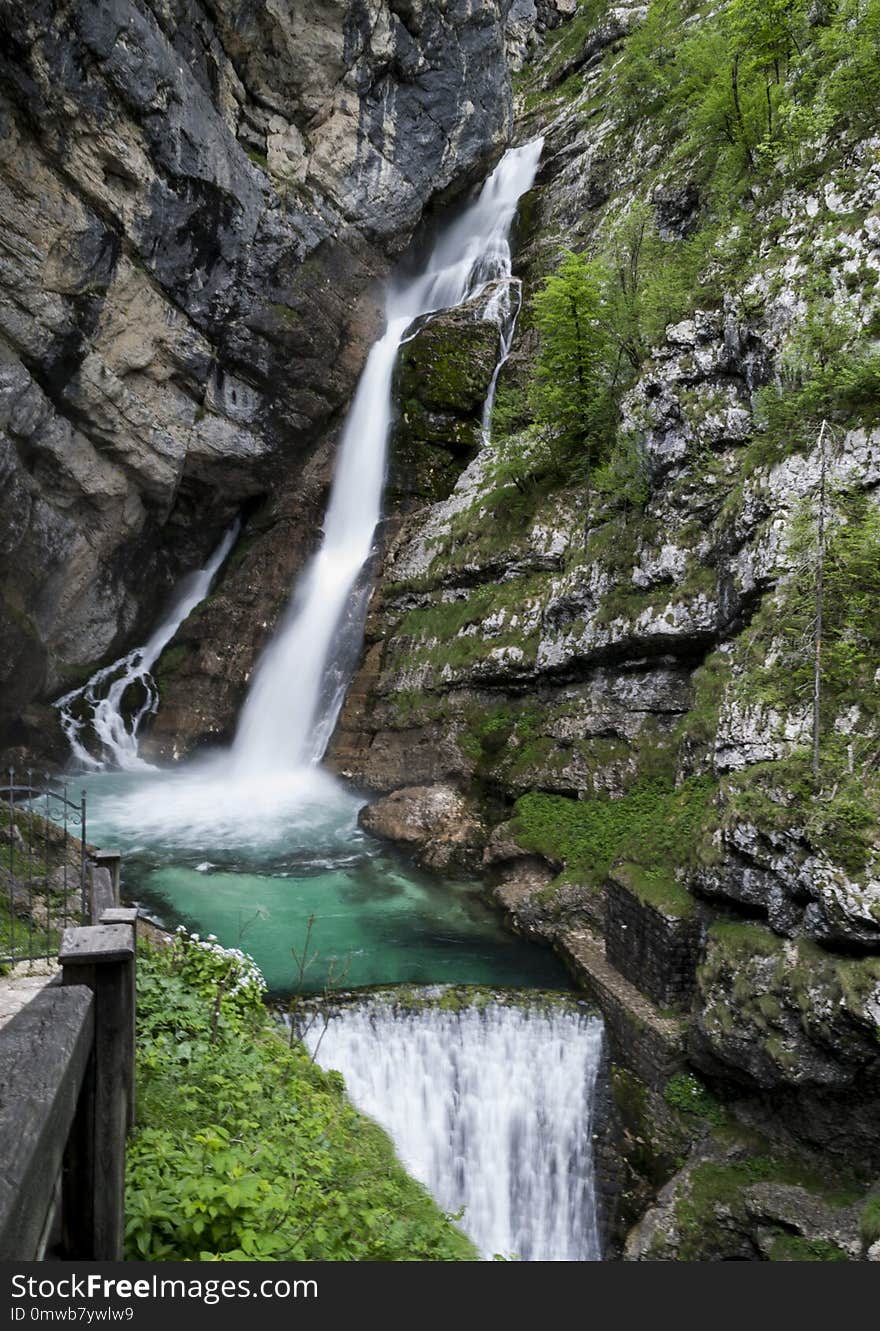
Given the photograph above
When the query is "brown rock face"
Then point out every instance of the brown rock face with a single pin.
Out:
(199, 202)
(439, 823)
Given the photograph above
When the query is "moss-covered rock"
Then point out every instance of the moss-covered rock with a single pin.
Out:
(440, 385)
(734, 1202)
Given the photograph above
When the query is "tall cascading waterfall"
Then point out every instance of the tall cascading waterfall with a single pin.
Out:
(97, 707)
(491, 1108)
(299, 687)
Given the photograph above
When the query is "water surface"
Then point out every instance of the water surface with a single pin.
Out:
(252, 867)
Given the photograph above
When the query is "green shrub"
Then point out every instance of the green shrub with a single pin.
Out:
(653, 825)
(688, 1095)
(869, 1222)
(245, 1150)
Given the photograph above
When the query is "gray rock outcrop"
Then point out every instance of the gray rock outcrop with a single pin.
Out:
(199, 203)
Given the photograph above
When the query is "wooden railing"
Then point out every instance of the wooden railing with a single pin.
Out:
(67, 1093)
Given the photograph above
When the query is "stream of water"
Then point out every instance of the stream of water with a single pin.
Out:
(260, 846)
(490, 1106)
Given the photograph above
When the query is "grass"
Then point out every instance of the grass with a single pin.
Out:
(654, 827)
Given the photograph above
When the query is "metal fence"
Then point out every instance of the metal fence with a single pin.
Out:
(43, 866)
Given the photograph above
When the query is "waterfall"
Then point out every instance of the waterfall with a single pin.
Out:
(504, 311)
(98, 705)
(490, 1108)
(299, 684)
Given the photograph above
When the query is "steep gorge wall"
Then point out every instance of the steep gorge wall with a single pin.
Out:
(199, 203)
(603, 710)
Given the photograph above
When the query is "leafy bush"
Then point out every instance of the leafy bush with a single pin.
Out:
(245, 1150)
(653, 825)
(688, 1095)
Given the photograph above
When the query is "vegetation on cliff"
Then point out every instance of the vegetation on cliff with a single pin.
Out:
(245, 1150)
(608, 633)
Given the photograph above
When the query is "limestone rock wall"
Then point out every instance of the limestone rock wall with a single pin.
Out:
(199, 202)
(568, 672)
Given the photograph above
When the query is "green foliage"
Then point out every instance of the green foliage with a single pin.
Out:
(526, 459)
(869, 1221)
(571, 392)
(689, 1096)
(653, 825)
(247, 1151)
(793, 1248)
(840, 818)
(851, 611)
(756, 83)
(828, 373)
(777, 650)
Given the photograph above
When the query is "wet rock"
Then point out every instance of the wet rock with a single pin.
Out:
(440, 385)
(716, 1209)
(442, 826)
(198, 203)
(799, 1024)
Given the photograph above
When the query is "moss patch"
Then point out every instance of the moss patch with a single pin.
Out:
(654, 827)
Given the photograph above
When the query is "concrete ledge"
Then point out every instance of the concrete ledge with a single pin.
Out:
(642, 1039)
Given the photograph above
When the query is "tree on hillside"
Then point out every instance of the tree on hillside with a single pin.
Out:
(572, 391)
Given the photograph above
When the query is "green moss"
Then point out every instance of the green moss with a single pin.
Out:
(715, 1196)
(656, 887)
(653, 826)
(626, 602)
(793, 1248)
(449, 633)
(737, 941)
(170, 661)
(286, 315)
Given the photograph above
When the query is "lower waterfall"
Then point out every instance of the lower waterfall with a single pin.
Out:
(490, 1107)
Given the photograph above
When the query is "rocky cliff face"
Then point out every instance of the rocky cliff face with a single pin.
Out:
(198, 202)
(597, 695)
(615, 695)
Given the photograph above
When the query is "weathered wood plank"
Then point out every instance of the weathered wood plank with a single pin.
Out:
(44, 1055)
(96, 944)
(111, 860)
(102, 895)
(128, 915)
(101, 957)
(120, 915)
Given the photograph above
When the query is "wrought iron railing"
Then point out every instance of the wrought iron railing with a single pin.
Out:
(43, 866)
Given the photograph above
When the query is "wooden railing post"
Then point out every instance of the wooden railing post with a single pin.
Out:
(111, 860)
(128, 915)
(102, 958)
(100, 892)
(45, 1053)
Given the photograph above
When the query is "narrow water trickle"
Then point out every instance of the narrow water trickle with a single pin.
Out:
(100, 712)
(491, 1108)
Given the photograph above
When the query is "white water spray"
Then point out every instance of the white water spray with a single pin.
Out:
(96, 709)
(270, 777)
(298, 690)
(490, 1108)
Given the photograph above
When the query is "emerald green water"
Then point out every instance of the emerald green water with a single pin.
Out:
(253, 866)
